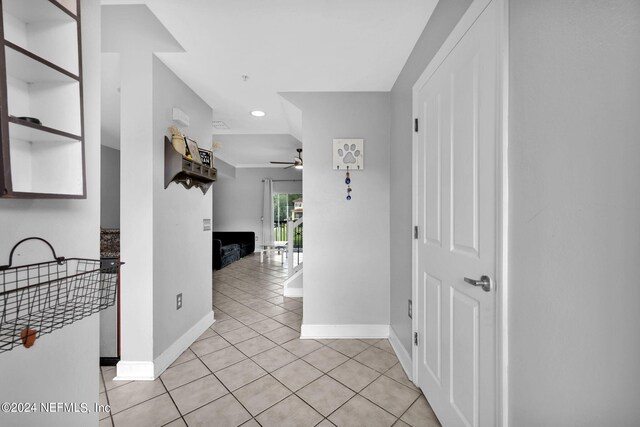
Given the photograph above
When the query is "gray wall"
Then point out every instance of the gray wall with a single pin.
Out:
(346, 277)
(445, 16)
(61, 366)
(237, 201)
(109, 187)
(181, 248)
(575, 234)
(134, 32)
(223, 168)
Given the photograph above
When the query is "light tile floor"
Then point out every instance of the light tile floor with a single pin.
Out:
(251, 369)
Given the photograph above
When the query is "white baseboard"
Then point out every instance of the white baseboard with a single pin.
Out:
(344, 331)
(149, 371)
(293, 292)
(174, 351)
(403, 355)
(134, 371)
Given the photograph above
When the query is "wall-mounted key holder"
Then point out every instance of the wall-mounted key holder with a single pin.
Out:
(348, 153)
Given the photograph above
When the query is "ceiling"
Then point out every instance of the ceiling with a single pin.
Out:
(283, 46)
(256, 150)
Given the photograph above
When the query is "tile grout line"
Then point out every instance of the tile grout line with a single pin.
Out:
(292, 393)
(172, 400)
(356, 393)
(409, 407)
(243, 303)
(229, 392)
(267, 373)
(106, 395)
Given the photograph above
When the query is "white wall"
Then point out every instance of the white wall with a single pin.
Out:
(346, 260)
(61, 366)
(445, 16)
(136, 209)
(181, 248)
(162, 238)
(575, 234)
(109, 187)
(237, 201)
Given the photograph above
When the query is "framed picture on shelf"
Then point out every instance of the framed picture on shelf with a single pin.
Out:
(193, 150)
(206, 156)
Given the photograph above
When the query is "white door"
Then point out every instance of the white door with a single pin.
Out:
(456, 213)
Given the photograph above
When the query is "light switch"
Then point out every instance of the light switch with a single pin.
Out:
(206, 225)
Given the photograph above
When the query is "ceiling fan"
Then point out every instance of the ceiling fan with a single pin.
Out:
(297, 161)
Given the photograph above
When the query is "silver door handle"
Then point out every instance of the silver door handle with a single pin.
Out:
(485, 282)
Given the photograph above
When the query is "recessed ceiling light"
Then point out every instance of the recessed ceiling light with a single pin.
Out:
(258, 113)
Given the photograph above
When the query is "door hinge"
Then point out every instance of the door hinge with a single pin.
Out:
(415, 338)
(415, 231)
(415, 125)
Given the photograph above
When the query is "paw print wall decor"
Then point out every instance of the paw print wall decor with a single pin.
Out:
(348, 155)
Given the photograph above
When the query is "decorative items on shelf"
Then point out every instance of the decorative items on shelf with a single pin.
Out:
(33, 120)
(189, 171)
(193, 152)
(177, 140)
(184, 145)
(206, 156)
(189, 148)
(214, 147)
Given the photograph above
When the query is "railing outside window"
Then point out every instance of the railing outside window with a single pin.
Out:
(280, 230)
(292, 233)
(294, 245)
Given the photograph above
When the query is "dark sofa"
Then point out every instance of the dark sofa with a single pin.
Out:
(230, 246)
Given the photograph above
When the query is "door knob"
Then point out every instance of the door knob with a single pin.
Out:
(485, 282)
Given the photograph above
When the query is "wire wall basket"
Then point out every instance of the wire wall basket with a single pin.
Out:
(37, 299)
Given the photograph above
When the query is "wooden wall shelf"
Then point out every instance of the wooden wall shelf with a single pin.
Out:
(181, 170)
(33, 132)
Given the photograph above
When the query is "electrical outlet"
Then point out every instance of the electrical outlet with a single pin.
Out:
(410, 310)
(179, 301)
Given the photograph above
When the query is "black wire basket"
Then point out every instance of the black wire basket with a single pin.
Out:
(37, 299)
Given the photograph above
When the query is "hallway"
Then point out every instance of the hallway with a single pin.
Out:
(250, 368)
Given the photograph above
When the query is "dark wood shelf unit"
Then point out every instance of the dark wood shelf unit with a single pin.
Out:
(41, 60)
(67, 11)
(42, 79)
(187, 172)
(42, 9)
(45, 129)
